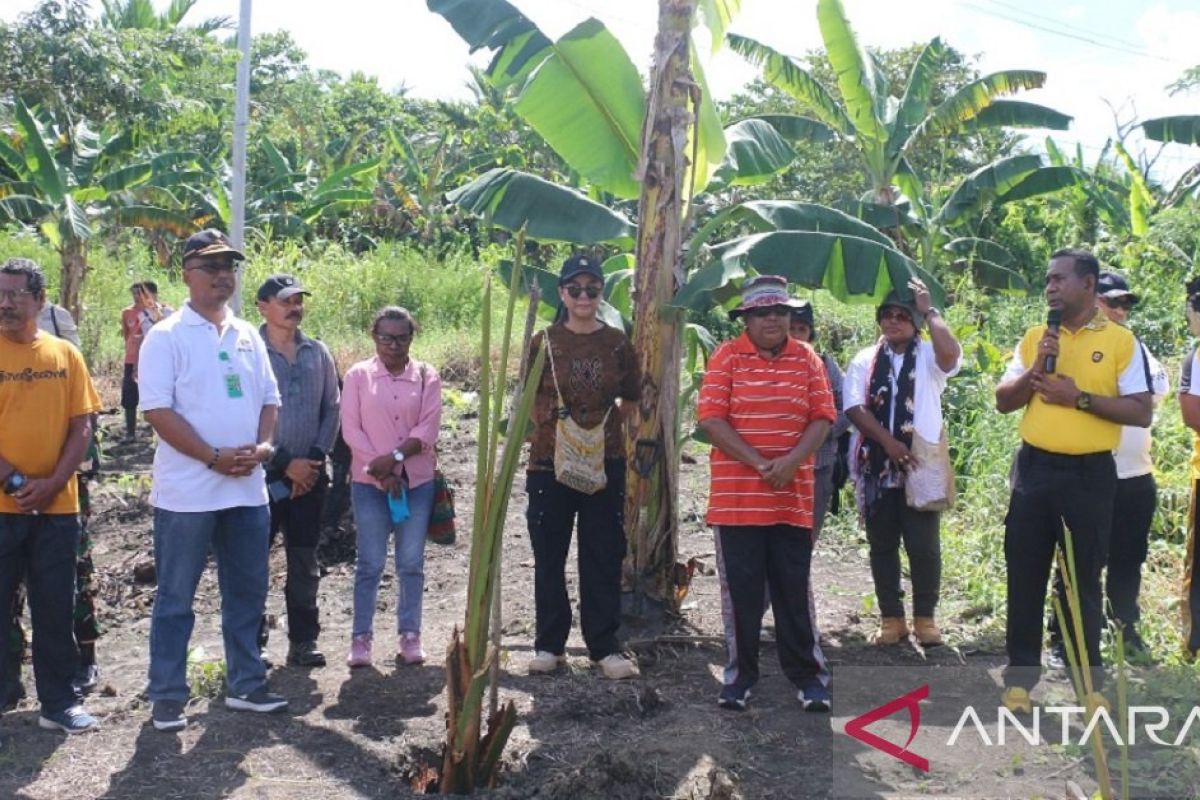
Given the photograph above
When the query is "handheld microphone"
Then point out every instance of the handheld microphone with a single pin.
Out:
(1053, 320)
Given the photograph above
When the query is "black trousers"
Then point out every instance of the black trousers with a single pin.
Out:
(1128, 545)
(300, 521)
(1191, 586)
(779, 558)
(42, 548)
(890, 522)
(553, 509)
(1049, 490)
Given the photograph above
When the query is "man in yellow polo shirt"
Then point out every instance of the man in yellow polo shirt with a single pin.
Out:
(46, 400)
(1065, 471)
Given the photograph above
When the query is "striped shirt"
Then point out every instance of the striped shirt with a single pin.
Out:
(769, 403)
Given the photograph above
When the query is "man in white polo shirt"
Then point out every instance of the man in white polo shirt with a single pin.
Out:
(208, 391)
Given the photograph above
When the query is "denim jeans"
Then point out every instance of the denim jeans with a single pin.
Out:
(374, 524)
(182, 541)
(44, 547)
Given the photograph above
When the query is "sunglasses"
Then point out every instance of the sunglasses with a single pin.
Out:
(769, 311)
(388, 340)
(896, 314)
(575, 290)
(1117, 302)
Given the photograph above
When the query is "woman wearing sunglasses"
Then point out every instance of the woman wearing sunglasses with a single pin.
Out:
(892, 392)
(391, 412)
(589, 386)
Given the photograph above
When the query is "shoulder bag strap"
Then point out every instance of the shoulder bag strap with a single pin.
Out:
(553, 371)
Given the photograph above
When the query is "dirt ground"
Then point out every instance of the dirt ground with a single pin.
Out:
(362, 734)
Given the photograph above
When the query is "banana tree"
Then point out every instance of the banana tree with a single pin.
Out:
(863, 111)
(1179, 130)
(66, 180)
(584, 96)
(293, 199)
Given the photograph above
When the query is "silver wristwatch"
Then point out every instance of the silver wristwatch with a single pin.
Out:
(398, 456)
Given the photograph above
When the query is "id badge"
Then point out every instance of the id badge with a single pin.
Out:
(233, 385)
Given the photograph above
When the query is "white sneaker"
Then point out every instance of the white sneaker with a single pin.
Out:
(543, 662)
(616, 667)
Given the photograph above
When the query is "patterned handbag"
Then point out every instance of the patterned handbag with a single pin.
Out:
(441, 521)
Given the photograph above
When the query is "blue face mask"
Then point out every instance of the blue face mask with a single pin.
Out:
(398, 506)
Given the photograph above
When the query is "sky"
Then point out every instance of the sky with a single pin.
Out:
(1100, 55)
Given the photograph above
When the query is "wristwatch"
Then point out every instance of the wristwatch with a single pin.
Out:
(398, 456)
(1084, 401)
(14, 482)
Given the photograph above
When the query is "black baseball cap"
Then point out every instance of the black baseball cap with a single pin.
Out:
(1112, 286)
(580, 265)
(210, 242)
(281, 286)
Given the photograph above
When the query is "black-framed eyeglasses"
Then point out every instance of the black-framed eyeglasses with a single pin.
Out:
(770, 311)
(592, 291)
(14, 295)
(390, 340)
(214, 267)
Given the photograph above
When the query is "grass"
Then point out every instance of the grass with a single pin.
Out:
(446, 297)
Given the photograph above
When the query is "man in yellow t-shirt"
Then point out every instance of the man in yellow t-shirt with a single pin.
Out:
(1078, 384)
(46, 399)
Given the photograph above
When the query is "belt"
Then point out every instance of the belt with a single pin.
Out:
(1037, 455)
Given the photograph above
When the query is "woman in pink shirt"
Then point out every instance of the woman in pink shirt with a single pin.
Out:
(391, 411)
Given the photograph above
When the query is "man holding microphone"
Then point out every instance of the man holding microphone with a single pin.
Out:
(1078, 378)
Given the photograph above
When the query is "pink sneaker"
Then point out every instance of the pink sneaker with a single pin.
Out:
(360, 651)
(410, 649)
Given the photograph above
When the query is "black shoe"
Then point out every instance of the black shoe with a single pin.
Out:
(260, 700)
(305, 654)
(87, 678)
(733, 697)
(167, 715)
(1056, 657)
(816, 699)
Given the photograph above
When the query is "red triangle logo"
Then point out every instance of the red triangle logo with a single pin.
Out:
(857, 727)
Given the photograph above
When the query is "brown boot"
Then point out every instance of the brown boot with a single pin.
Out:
(892, 630)
(926, 631)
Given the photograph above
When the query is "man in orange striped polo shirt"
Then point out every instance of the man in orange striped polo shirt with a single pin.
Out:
(766, 405)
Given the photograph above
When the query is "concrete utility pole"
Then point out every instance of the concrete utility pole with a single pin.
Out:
(241, 120)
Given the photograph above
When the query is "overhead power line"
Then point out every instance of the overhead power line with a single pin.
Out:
(1068, 25)
(1064, 34)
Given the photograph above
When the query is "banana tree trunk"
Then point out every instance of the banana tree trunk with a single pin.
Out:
(74, 269)
(651, 508)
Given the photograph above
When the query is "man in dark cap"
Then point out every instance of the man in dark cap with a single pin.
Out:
(803, 328)
(208, 391)
(893, 393)
(304, 436)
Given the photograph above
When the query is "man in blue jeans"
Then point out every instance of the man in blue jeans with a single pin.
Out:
(208, 391)
(46, 402)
